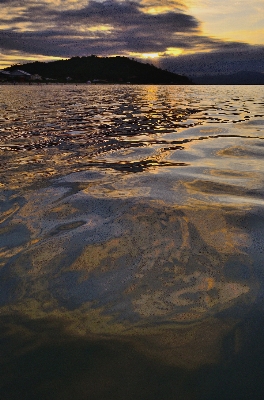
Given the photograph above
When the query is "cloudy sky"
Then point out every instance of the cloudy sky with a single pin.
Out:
(191, 36)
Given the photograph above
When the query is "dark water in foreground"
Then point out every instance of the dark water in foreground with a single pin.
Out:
(131, 242)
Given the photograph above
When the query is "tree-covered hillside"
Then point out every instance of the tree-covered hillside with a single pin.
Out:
(110, 69)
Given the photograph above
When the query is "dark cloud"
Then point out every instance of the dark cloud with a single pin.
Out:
(227, 59)
(125, 15)
(132, 29)
(130, 15)
(20, 3)
(66, 33)
(11, 2)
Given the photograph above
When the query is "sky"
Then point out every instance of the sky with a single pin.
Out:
(186, 36)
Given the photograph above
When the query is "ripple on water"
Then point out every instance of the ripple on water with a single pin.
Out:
(134, 213)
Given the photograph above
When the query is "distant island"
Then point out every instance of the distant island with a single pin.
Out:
(94, 69)
(238, 78)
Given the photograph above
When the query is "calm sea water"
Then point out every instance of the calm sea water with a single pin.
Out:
(132, 242)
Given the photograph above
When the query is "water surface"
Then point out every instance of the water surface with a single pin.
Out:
(131, 242)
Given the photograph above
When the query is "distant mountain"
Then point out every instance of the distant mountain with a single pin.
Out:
(102, 69)
(239, 78)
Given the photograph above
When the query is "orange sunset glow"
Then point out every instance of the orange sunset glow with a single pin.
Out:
(166, 32)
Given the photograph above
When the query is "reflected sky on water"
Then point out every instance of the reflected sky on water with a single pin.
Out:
(131, 242)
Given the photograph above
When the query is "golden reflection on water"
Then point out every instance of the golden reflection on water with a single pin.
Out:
(174, 260)
(135, 232)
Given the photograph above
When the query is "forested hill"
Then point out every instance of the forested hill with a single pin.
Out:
(109, 69)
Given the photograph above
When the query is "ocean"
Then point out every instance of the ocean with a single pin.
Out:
(131, 242)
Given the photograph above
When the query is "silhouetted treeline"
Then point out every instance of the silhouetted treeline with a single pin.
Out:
(109, 69)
